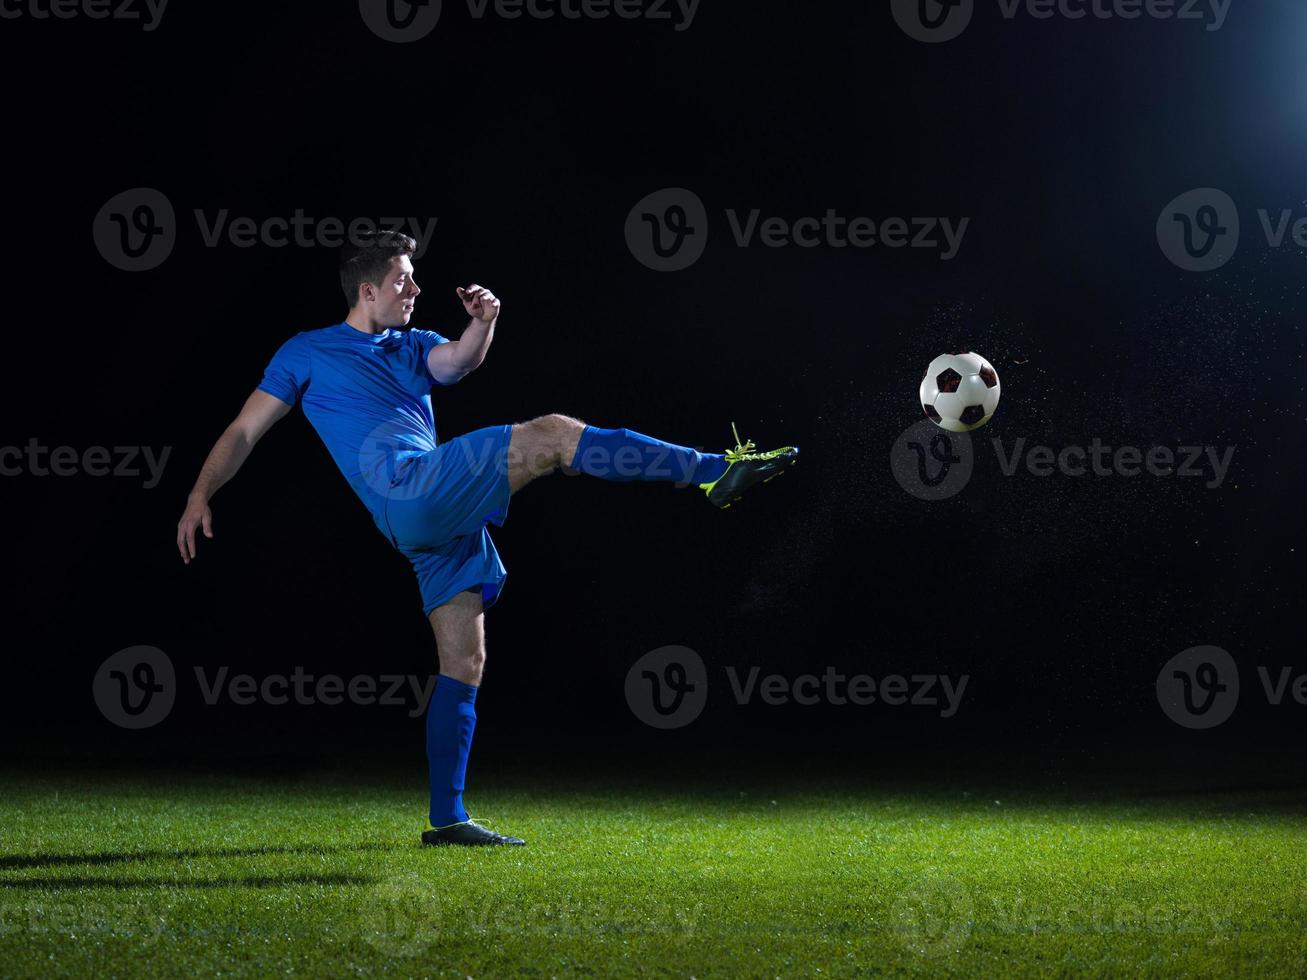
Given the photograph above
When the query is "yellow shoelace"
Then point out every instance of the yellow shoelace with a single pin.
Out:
(741, 450)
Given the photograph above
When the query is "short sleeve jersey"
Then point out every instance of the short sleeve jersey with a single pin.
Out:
(368, 396)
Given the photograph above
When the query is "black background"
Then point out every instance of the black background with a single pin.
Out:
(530, 141)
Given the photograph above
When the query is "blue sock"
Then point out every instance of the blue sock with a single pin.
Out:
(451, 718)
(622, 455)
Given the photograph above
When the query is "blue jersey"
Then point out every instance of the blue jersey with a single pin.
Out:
(367, 395)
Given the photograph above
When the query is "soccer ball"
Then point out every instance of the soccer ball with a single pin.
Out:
(959, 392)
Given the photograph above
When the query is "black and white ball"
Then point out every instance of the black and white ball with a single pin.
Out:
(959, 392)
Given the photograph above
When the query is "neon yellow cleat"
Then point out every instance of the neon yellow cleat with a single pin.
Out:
(745, 468)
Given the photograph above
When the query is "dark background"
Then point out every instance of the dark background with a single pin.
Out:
(530, 141)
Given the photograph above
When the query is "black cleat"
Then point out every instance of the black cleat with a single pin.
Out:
(746, 468)
(468, 834)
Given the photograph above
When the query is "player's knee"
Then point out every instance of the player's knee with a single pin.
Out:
(551, 441)
(474, 663)
(464, 665)
(566, 433)
(559, 428)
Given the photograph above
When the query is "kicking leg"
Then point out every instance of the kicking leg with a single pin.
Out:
(543, 445)
(459, 626)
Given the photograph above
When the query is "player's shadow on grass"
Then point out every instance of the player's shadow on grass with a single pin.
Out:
(258, 881)
(9, 862)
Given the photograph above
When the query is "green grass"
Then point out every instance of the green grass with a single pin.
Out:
(174, 875)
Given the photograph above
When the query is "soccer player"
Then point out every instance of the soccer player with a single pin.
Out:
(365, 386)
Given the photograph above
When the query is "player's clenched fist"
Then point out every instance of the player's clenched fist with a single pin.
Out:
(479, 302)
(197, 515)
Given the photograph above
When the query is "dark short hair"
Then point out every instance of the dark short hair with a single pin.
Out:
(366, 258)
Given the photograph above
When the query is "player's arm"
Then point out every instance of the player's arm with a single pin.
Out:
(261, 411)
(452, 361)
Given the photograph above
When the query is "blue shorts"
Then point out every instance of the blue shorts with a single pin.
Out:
(436, 510)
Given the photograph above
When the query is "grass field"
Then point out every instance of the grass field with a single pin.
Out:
(120, 875)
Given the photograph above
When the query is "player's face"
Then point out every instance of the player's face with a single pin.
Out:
(398, 294)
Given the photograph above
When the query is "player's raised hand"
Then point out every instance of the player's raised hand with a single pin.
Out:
(197, 515)
(479, 302)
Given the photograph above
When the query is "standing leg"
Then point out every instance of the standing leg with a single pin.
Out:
(459, 626)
